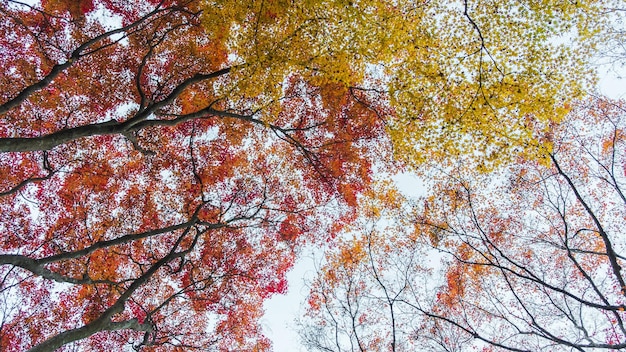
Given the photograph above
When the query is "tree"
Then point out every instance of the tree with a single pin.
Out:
(547, 249)
(163, 160)
(531, 256)
(356, 301)
(143, 204)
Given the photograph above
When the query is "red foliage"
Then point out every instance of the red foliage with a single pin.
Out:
(159, 209)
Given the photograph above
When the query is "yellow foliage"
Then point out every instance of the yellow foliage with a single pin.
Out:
(383, 197)
(464, 78)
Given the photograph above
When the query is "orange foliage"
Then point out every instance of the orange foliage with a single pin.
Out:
(147, 186)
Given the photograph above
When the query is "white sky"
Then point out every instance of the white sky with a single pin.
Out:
(281, 310)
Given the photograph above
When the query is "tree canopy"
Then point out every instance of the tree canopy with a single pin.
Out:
(529, 258)
(163, 162)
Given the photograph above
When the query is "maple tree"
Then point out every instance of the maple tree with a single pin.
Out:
(165, 159)
(527, 258)
(356, 301)
(142, 203)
